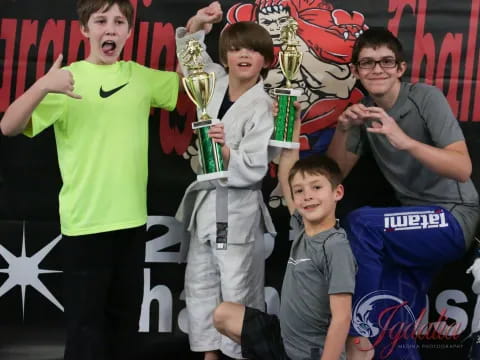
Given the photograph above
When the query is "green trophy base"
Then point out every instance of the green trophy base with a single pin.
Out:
(285, 119)
(210, 152)
(284, 144)
(213, 176)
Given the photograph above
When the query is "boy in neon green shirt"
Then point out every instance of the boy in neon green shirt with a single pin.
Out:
(99, 109)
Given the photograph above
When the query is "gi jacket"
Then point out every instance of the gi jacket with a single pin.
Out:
(248, 125)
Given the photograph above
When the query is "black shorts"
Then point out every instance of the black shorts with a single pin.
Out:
(261, 338)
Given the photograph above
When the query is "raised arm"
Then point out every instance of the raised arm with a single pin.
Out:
(18, 115)
(195, 29)
(205, 18)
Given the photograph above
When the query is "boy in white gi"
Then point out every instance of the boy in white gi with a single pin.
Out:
(240, 102)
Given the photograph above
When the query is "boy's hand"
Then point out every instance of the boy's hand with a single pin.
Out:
(298, 118)
(353, 115)
(205, 18)
(58, 80)
(384, 124)
(275, 109)
(217, 133)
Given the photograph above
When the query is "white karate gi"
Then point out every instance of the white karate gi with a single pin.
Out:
(237, 273)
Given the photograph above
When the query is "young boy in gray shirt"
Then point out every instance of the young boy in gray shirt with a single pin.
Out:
(315, 310)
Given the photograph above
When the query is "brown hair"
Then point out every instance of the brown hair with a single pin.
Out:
(374, 38)
(85, 8)
(317, 165)
(247, 35)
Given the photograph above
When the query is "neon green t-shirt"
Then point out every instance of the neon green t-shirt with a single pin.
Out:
(102, 142)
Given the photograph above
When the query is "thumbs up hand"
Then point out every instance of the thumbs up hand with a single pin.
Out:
(58, 80)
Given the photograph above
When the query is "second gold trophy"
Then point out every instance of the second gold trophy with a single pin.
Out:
(199, 86)
(290, 60)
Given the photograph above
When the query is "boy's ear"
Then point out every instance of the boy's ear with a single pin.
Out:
(353, 70)
(84, 30)
(339, 192)
(402, 67)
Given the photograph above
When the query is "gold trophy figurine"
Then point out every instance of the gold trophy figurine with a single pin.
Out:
(199, 86)
(290, 60)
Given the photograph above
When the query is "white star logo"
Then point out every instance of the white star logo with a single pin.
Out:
(24, 271)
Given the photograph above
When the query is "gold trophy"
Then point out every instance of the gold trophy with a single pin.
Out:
(290, 60)
(199, 86)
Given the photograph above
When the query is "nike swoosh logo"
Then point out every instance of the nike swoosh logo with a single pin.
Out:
(106, 94)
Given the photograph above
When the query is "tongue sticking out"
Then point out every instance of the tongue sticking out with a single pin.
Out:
(108, 48)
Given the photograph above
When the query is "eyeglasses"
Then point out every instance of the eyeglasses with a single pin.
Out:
(385, 63)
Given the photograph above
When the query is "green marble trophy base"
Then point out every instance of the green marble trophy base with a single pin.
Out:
(285, 120)
(210, 152)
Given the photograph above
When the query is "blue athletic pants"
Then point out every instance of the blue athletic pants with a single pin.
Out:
(398, 251)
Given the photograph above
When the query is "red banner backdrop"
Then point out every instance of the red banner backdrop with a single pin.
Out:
(441, 39)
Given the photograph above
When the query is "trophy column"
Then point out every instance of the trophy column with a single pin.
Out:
(285, 120)
(199, 86)
(290, 60)
(210, 152)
